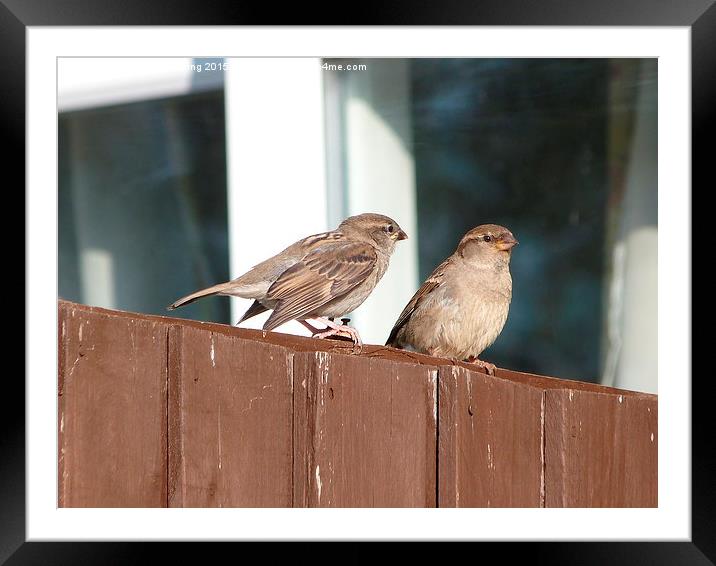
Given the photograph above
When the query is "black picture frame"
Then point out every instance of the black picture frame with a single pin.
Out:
(17, 15)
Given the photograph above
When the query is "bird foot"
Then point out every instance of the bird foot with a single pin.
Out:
(312, 329)
(487, 366)
(341, 330)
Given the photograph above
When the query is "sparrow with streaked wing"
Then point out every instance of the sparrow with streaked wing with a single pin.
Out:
(320, 277)
(462, 307)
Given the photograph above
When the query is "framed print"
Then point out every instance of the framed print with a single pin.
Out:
(141, 122)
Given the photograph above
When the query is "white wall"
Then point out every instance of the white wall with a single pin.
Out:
(276, 162)
(379, 176)
(289, 177)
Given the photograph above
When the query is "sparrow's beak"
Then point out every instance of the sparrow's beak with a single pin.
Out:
(401, 235)
(507, 243)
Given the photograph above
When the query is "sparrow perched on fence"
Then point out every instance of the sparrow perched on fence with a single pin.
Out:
(319, 277)
(462, 307)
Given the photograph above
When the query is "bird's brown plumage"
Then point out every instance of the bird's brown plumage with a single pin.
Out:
(320, 277)
(462, 306)
(324, 275)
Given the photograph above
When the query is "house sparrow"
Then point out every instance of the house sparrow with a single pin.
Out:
(461, 308)
(320, 277)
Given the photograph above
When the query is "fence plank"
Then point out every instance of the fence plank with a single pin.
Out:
(112, 410)
(601, 449)
(489, 441)
(365, 432)
(156, 411)
(230, 419)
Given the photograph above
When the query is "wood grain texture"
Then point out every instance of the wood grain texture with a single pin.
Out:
(365, 432)
(156, 411)
(230, 421)
(489, 441)
(601, 449)
(112, 410)
(546, 382)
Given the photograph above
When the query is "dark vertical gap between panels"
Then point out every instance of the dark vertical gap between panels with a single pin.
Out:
(166, 417)
(292, 367)
(174, 431)
(437, 437)
(543, 479)
(309, 423)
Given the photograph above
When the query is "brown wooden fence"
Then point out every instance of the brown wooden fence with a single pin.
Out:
(161, 412)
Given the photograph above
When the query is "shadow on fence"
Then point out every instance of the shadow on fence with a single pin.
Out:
(161, 412)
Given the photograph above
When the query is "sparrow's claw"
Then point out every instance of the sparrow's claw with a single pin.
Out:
(312, 329)
(341, 330)
(490, 368)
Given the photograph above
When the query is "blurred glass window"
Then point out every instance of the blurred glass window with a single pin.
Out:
(142, 204)
(562, 152)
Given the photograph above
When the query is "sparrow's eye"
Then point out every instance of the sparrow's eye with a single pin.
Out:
(487, 238)
(389, 228)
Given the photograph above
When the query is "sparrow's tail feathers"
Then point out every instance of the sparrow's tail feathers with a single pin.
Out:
(216, 289)
(392, 339)
(253, 310)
